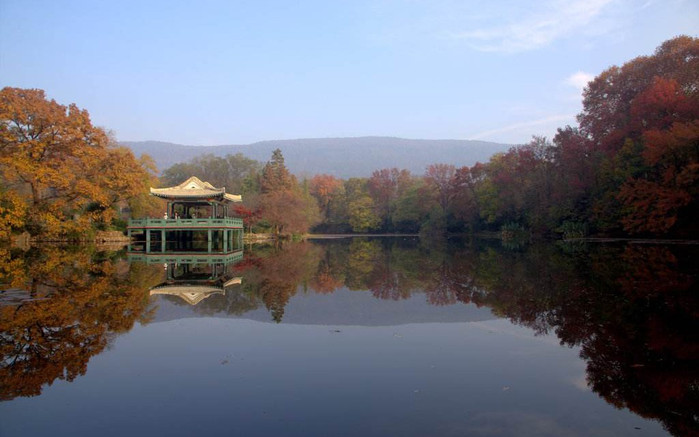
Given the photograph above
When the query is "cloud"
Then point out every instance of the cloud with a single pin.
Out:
(579, 80)
(539, 28)
(523, 125)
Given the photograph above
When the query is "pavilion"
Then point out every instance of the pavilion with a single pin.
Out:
(198, 218)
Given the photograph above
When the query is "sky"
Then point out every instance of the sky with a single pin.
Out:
(237, 72)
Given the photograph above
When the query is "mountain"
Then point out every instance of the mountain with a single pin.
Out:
(342, 157)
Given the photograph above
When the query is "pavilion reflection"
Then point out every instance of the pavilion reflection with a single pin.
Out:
(193, 277)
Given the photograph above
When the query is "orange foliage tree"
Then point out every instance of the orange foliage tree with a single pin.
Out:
(324, 188)
(66, 170)
(282, 203)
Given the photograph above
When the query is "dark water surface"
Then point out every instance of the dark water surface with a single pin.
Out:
(352, 337)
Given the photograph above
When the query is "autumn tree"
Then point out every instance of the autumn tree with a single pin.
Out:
(385, 186)
(250, 216)
(143, 204)
(282, 203)
(638, 134)
(61, 166)
(440, 179)
(12, 212)
(275, 176)
(465, 206)
(669, 121)
(288, 211)
(325, 188)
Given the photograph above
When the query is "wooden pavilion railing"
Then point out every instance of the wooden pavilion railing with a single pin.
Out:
(160, 223)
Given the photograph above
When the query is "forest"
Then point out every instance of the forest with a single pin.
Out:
(630, 167)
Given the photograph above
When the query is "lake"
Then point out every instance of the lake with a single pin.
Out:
(352, 337)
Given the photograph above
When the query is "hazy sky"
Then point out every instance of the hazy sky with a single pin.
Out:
(233, 72)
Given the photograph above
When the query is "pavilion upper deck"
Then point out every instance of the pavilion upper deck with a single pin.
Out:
(193, 204)
(191, 223)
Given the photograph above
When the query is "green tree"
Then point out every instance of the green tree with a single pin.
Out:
(362, 217)
(231, 171)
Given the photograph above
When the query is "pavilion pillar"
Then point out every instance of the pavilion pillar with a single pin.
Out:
(225, 240)
(162, 240)
(147, 240)
(209, 241)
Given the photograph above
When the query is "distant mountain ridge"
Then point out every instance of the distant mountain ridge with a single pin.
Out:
(341, 157)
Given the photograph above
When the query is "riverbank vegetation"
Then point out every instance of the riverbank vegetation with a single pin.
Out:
(631, 167)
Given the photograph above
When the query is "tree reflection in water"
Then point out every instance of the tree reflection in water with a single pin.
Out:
(67, 306)
(632, 309)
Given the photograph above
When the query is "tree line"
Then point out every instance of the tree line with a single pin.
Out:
(631, 167)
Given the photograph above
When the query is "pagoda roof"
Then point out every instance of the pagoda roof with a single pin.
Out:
(192, 294)
(195, 188)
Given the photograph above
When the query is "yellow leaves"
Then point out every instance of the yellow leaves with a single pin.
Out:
(63, 166)
(12, 212)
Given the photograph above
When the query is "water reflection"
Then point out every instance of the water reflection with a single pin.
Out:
(193, 282)
(64, 306)
(633, 310)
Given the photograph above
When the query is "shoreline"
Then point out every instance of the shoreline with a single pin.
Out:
(116, 237)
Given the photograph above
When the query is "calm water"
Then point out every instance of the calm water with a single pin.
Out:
(352, 337)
